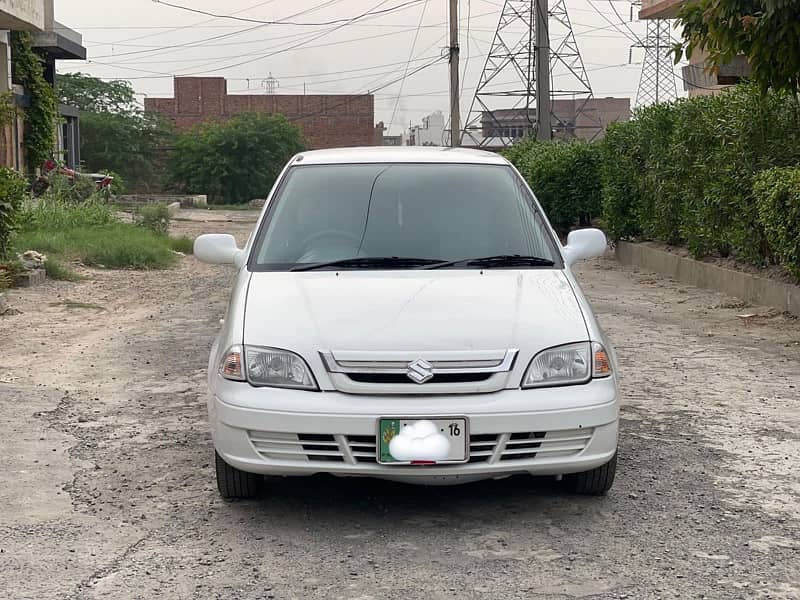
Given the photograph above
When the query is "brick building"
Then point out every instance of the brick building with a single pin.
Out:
(327, 121)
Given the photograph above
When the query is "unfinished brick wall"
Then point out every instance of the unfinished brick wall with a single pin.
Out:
(327, 121)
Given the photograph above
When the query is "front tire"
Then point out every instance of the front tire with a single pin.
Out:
(236, 484)
(595, 482)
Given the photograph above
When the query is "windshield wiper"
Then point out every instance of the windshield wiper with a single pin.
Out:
(366, 262)
(500, 260)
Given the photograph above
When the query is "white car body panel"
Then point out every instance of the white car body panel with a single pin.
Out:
(404, 315)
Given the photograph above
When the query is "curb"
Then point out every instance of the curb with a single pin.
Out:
(747, 287)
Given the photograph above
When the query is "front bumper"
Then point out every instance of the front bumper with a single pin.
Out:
(550, 431)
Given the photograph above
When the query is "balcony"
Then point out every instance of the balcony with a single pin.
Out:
(26, 15)
(60, 42)
(659, 9)
(698, 80)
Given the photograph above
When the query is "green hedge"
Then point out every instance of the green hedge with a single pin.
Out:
(777, 192)
(564, 177)
(13, 190)
(683, 172)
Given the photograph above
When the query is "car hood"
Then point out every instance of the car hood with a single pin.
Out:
(415, 311)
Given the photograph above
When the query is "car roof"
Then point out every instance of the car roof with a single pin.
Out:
(403, 154)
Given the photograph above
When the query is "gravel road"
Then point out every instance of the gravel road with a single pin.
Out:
(107, 488)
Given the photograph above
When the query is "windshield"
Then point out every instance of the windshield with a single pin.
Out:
(442, 212)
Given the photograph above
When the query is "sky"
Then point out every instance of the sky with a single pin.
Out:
(147, 42)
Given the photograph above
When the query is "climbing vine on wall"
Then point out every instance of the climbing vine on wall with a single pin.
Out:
(40, 116)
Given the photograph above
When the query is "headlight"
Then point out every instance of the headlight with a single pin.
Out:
(277, 368)
(567, 365)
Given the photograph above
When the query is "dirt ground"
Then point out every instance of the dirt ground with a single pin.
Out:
(107, 487)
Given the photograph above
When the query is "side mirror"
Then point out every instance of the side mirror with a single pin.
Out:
(583, 244)
(218, 249)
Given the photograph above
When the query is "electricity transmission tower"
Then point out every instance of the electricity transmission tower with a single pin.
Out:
(657, 82)
(270, 84)
(503, 109)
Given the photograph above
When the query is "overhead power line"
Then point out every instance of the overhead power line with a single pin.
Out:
(193, 44)
(287, 22)
(408, 62)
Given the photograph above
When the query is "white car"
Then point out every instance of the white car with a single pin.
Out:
(409, 314)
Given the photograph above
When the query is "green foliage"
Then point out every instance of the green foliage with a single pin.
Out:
(116, 135)
(155, 217)
(40, 121)
(130, 144)
(7, 108)
(115, 246)
(118, 185)
(52, 212)
(619, 174)
(777, 192)
(683, 173)
(182, 244)
(62, 188)
(767, 32)
(91, 94)
(565, 178)
(237, 160)
(13, 192)
(56, 269)
(91, 233)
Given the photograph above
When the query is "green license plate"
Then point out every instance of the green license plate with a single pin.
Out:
(450, 446)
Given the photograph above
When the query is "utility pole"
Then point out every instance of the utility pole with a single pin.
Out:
(544, 127)
(455, 111)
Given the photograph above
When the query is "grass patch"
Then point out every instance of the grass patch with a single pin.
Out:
(73, 304)
(90, 232)
(56, 269)
(115, 246)
(181, 244)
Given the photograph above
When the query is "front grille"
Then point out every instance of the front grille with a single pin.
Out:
(527, 445)
(462, 372)
(403, 378)
(361, 449)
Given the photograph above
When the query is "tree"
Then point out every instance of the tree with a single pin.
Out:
(132, 145)
(767, 32)
(95, 95)
(116, 134)
(237, 160)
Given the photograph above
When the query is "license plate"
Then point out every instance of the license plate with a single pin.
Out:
(439, 441)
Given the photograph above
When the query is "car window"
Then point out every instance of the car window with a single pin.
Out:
(435, 211)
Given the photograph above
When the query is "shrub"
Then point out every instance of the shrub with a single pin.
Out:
(564, 176)
(155, 217)
(13, 191)
(777, 192)
(62, 188)
(683, 173)
(237, 160)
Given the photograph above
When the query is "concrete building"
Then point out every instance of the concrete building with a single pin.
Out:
(430, 132)
(327, 121)
(697, 80)
(581, 119)
(53, 41)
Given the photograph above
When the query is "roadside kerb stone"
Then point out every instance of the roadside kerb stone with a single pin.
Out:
(30, 278)
(745, 286)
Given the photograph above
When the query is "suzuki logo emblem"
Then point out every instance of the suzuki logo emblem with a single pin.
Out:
(420, 371)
